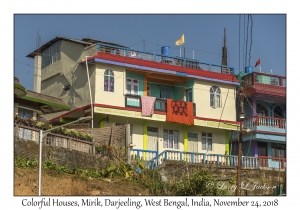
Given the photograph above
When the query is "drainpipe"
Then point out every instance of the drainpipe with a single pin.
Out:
(92, 111)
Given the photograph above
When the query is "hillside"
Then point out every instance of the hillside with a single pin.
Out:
(54, 184)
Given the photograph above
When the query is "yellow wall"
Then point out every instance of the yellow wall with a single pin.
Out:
(202, 100)
(219, 139)
(219, 135)
(115, 98)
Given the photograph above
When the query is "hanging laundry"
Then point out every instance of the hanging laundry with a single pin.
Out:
(147, 105)
(180, 112)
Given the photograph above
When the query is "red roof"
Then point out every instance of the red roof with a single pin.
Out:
(152, 64)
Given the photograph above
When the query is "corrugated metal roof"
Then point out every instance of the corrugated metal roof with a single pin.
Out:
(31, 55)
(47, 104)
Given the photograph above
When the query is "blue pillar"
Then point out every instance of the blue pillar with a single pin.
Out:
(269, 153)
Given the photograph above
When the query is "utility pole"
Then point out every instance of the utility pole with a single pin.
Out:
(242, 116)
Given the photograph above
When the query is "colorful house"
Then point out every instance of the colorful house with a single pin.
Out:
(265, 116)
(171, 103)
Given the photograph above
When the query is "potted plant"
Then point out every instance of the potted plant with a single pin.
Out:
(131, 146)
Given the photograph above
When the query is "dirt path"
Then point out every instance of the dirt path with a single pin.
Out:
(53, 184)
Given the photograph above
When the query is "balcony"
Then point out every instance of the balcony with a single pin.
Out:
(265, 121)
(265, 84)
(177, 61)
(134, 101)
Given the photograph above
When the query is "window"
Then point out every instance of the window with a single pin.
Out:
(207, 141)
(51, 54)
(132, 86)
(109, 80)
(189, 95)
(193, 142)
(278, 150)
(170, 139)
(131, 130)
(215, 97)
(26, 114)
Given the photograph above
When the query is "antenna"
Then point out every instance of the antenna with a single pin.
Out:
(224, 50)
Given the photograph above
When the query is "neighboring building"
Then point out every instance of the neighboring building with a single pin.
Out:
(265, 110)
(123, 83)
(31, 105)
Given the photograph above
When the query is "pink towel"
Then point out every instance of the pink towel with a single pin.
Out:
(147, 105)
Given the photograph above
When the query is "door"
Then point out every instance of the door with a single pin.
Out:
(165, 92)
(152, 138)
(192, 142)
(132, 88)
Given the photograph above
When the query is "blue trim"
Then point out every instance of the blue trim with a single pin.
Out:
(98, 46)
(181, 73)
(160, 70)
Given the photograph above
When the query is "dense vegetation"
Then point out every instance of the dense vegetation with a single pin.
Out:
(195, 184)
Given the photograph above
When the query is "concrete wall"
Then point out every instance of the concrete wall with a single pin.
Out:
(202, 99)
(69, 71)
(62, 156)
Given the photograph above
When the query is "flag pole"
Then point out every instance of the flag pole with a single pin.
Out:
(180, 52)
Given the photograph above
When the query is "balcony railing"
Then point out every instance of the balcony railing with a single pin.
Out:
(201, 158)
(265, 121)
(256, 78)
(159, 105)
(272, 162)
(30, 133)
(177, 61)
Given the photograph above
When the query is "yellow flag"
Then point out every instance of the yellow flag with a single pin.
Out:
(180, 41)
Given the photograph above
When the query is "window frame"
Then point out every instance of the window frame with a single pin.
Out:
(206, 137)
(132, 83)
(20, 109)
(187, 93)
(214, 93)
(167, 141)
(51, 54)
(109, 74)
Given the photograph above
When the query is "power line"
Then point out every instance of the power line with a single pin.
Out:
(24, 63)
(250, 39)
(136, 43)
